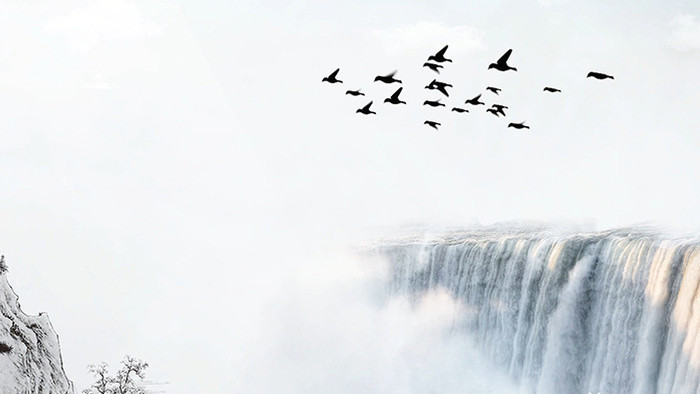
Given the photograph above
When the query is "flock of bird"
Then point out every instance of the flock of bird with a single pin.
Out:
(434, 63)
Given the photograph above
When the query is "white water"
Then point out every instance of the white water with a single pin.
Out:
(613, 312)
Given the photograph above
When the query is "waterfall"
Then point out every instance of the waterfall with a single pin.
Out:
(608, 312)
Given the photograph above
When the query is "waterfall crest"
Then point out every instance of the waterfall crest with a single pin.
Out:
(610, 312)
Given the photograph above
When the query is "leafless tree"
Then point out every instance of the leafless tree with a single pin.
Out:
(128, 380)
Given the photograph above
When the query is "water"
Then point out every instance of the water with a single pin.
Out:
(609, 312)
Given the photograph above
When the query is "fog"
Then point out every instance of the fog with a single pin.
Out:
(178, 184)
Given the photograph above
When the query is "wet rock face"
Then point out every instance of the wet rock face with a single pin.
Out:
(30, 357)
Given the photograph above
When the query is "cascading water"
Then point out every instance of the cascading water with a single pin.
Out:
(612, 312)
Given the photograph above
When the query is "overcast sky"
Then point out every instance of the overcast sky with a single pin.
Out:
(165, 165)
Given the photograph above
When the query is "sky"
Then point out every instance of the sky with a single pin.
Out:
(174, 173)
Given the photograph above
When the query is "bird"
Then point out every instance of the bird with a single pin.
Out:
(460, 110)
(433, 66)
(440, 56)
(365, 110)
(332, 78)
(474, 101)
(389, 78)
(394, 99)
(432, 124)
(355, 92)
(598, 75)
(493, 111)
(518, 126)
(501, 64)
(551, 90)
(441, 86)
(435, 103)
(499, 108)
(494, 90)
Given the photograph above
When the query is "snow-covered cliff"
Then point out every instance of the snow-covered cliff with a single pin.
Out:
(30, 357)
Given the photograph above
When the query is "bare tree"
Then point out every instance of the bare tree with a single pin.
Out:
(128, 380)
(125, 379)
(102, 379)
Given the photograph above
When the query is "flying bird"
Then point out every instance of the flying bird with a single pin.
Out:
(332, 78)
(460, 110)
(435, 103)
(387, 78)
(518, 126)
(494, 90)
(355, 92)
(365, 110)
(551, 90)
(432, 124)
(499, 109)
(394, 99)
(502, 63)
(440, 56)
(598, 75)
(440, 86)
(493, 111)
(433, 66)
(475, 101)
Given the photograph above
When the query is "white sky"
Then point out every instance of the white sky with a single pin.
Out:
(164, 165)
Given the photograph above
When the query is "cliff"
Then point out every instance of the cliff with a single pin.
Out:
(30, 357)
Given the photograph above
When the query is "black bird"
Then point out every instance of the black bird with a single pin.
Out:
(551, 90)
(460, 110)
(494, 90)
(433, 66)
(441, 86)
(355, 92)
(493, 111)
(432, 124)
(474, 101)
(518, 126)
(440, 56)
(502, 63)
(387, 78)
(499, 108)
(365, 110)
(597, 75)
(394, 99)
(435, 103)
(332, 78)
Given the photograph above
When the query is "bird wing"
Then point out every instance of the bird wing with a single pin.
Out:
(442, 90)
(477, 98)
(395, 96)
(366, 107)
(505, 57)
(391, 75)
(441, 52)
(333, 74)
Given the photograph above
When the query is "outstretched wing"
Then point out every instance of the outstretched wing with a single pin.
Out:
(505, 57)
(391, 75)
(477, 97)
(442, 90)
(334, 74)
(366, 107)
(396, 94)
(441, 52)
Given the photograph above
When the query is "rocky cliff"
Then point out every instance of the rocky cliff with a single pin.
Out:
(30, 357)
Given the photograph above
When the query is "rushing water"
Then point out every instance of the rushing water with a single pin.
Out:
(611, 312)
